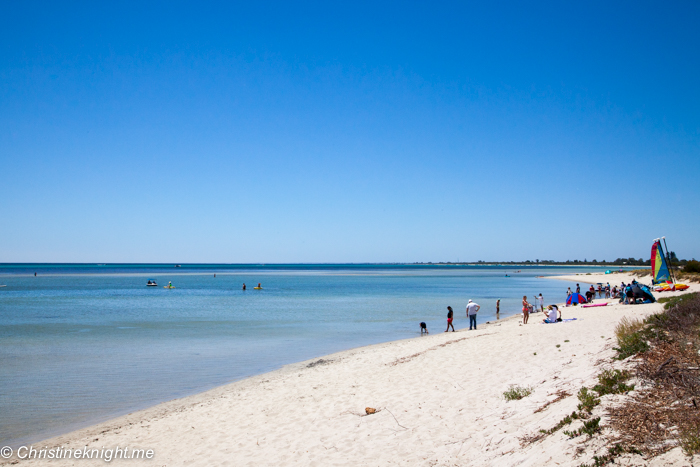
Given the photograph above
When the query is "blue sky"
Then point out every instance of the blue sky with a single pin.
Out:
(353, 132)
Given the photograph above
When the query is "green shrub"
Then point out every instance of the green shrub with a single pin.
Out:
(627, 326)
(588, 400)
(590, 427)
(515, 393)
(613, 452)
(692, 266)
(690, 442)
(612, 382)
(631, 344)
(633, 334)
(564, 421)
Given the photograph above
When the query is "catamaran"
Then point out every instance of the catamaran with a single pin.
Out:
(661, 271)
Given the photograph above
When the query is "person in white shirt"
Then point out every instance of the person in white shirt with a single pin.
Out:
(553, 314)
(472, 308)
(540, 302)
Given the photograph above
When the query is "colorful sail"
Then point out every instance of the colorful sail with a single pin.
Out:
(659, 268)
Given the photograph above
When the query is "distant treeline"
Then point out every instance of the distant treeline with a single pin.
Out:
(585, 262)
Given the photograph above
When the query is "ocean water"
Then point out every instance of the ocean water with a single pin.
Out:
(80, 344)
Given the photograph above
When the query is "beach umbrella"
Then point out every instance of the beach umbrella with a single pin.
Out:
(575, 298)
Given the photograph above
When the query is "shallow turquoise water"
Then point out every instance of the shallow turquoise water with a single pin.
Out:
(83, 343)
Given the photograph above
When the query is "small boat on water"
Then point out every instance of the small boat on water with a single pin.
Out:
(151, 283)
(178, 266)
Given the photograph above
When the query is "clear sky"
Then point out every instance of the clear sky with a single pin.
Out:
(348, 132)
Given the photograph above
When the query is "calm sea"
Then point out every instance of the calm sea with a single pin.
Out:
(81, 344)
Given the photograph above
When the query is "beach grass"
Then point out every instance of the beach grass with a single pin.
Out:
(670, 302)
(631, 339)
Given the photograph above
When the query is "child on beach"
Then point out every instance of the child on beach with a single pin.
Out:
(526, 309)
(450, 315)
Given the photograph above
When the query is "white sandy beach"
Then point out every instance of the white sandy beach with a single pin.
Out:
(439, 401)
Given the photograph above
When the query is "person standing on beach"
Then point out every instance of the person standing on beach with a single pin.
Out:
(450, 315)
(526, 309)
(568, 291)
(540, 302)
(578, 288)
(498, 308)
(472, 308)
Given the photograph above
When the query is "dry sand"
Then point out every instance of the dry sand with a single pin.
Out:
(439, 401)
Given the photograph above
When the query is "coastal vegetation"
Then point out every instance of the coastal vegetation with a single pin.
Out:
(669, 370)
(515, 393)
(631, 338)
(688, 265)
(609, 382)
(665, 411)
(692, 267)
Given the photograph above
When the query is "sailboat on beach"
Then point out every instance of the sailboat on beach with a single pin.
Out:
(661, 272)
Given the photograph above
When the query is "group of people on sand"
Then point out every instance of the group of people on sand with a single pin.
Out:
(606, 291)
(472, 309)
(553, 313)
(602, 290)
(537, 305)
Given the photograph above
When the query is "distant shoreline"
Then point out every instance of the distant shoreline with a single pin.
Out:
(144, 269)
